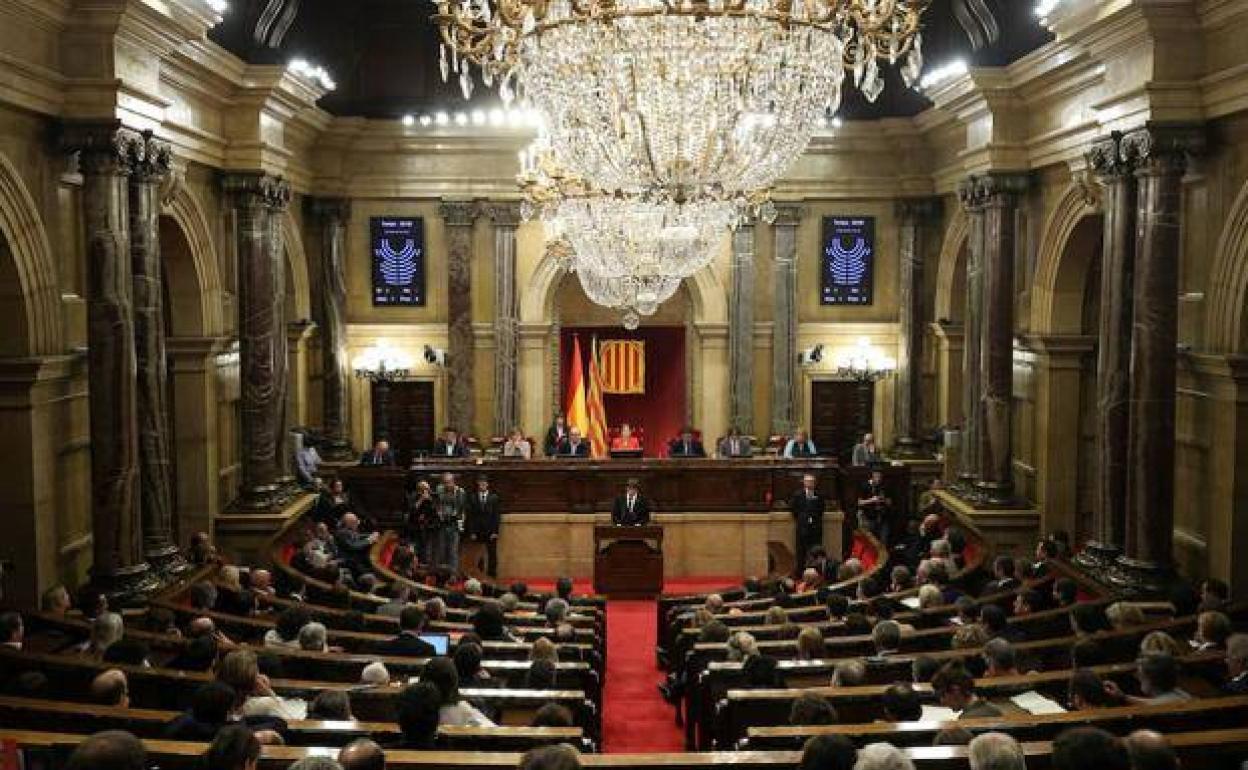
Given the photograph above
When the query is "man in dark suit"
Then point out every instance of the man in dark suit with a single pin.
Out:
(380, 454)
(556, 436)
(735, 445)
(807, 507)
(574, 446)
(1236, 665)
(353, 545)
(686, 445)
(1004, 576)
(484, 514)
(631, 509)
(449, 444)
(408, 642)
(873, 506)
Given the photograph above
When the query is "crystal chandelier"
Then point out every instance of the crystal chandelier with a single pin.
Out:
(634, 295)
(681, 99)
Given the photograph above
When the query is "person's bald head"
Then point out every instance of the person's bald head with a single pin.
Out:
(202, 626)
(350, 521)
(110, 688)
(261, 579)
(109, 750)
(1150, 750)
(362, 754)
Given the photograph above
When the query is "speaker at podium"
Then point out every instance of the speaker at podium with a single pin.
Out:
(628, 561)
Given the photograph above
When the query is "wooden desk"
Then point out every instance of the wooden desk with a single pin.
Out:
(628, 561)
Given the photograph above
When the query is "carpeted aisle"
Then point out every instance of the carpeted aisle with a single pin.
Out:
(635, 716)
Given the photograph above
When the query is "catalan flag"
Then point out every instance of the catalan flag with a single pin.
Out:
(597, 409)
(577, 413)
(623, 367)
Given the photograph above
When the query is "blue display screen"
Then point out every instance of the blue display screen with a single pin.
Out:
(848, 260)
(398, 246)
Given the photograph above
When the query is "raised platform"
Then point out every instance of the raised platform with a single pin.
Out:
(1006, 530)
(243, 536)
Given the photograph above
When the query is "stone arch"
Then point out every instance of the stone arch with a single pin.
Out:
(1071, 240)
(1228, 301)
(952, 262)
(28, 282)
(192, 277)
(300, 302)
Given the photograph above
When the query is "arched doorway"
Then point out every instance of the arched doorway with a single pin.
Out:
(949, 308)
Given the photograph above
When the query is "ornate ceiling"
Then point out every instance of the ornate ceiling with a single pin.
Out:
(383, 53)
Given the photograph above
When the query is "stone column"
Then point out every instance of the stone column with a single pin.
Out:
(262, 337)
(459, 218)
(972, 199)
(506, 218)
(297, 335)
(995, 476)
(784, 396)
(334, 213)
(741, 333)
(275, 254)
(193, 364)
(155, 458)
(1060, 365)
(1161, 157)
(106, 155)
(913, 215)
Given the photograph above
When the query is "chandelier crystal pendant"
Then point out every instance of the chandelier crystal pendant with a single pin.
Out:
(679, 98)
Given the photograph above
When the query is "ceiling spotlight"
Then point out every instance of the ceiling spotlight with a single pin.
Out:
(441, 118)
(944, 74)
(218, 6)
(426, 120)
(496, 117)
(461, 119)
(478, 118)
(408, 120)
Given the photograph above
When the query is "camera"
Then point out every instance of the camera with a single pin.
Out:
(811, 356)
(435, 356)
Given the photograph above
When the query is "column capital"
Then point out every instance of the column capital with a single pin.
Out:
(1105, 159)
(330, 210)
(256, 189)
(104, 146)
(992, 189)
(1163, 147)
(503, 213)
(459, 213)
(789, 214)
(918, 210)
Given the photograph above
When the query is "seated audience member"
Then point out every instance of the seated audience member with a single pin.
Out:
(777, 617)
(1065, 592)
(1150, 750)
(450, 444)
(472, 587)
(900, 579)
(110, 688)
(1004, 577)
(901, 703)
(453, 710)
(353, 545)
(107, 629)
(307, 463)
(969, 637)
(1089, 748)
(953, 736)
(12, 630)
(857, 624)
(240, 669)
(235, 747)
(1236, 665)
(1214, 594)
(812, 579)
(362, 754)
(1124, 615)
(930, 596)
(333, 705)
(828, 752)
(1086, 691)
(127, 651)
(542, 675)
(799, 446)
(544, 649)
(625, 441)
(399, 595)
(313, 637)
(417, 710)
(1086, 653)
(968, 611)
(887, 639)
(209, 712)
(408, 641)
(489, 623)
(380, 454)
(1163, 643)
(923, 669)
(1046, 550)
(558, 757)
(1212, 630)
(882, 756)
(517, 446)
(109, 750)
(315, 763)
(997, 624)
(1158, 675)
(331, 503)
(200, 552)
(575, 445)
(55, 601)
(375, 674)
(556, 611)
(955, 689)
(199, 654)
(866, 452)
(286, 628)
(849, 569)
(996, 751)
(849, 673)
(1088, 619)
(1000, 658)
(762, 672)
(203, 596)
(809, 644)
(553, 715)
(261, 583)
(686, 445)
(812, 709)
(735, 445)
(1027, 602)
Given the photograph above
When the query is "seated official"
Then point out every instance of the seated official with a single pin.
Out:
(626, 441)
(735, 445)
(685, 445)
(575, 445)
(517, 446)
(631, 509)
(556, 436)
(800, 446)
(866, 453)
(380, 454)
(450, 444)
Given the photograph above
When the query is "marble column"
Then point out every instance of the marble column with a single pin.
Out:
(971, 196)
(784, 396)
(1160, 154)
(995, 476)
(106, 155)
(506, 218)
(262, 337)
(741, 333)
(459, 217)
(155, 456)
(334, 214)
(275, 255)
(1113, 352)
(914, 215)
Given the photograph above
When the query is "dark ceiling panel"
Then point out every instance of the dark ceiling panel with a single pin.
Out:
(383, 54)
